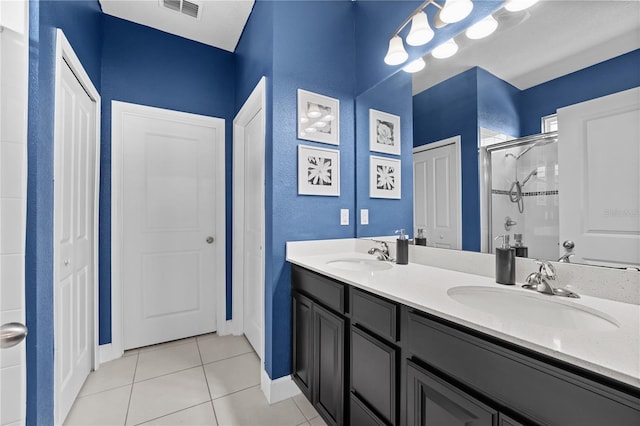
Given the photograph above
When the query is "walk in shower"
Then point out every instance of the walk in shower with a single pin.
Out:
(521, 178)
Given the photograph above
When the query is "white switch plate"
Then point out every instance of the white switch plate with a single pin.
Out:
(344, 216)
(364, 216)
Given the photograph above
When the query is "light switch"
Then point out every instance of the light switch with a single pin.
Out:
(364, 216)
(344, 216)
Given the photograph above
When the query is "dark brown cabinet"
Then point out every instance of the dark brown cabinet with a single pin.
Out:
(362, 359)
(432, 401)
(318, 343)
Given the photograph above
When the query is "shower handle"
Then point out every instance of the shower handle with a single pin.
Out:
(509, 223)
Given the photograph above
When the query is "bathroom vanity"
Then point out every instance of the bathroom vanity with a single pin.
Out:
(385, 344)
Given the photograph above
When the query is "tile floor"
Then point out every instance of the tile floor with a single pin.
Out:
(204, 380)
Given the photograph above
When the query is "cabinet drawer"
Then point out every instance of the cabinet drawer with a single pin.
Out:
(361, 415)
(374, 313)
(325, 290)
(373, 373)
(541, 391)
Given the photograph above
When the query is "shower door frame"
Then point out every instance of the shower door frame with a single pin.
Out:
(485, 176)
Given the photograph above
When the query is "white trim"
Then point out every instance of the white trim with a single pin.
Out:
(108, 353)
(279, 389)
(456, 141)
(117, 110)
(255, 104)
(65, 53)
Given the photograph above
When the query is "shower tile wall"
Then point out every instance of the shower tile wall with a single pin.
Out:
(538, 223)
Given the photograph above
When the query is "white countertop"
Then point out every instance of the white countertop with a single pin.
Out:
(614, 353)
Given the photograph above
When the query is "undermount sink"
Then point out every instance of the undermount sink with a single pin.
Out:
(359, 265)
(533, 308)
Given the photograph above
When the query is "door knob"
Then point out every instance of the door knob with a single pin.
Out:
(67, 262)
(11, 334)
(210, 240)
(568, 244)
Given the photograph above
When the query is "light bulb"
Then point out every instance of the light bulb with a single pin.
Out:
(482, 29)
(319, 124)
(455, 10)
(415, 66)
(421, 33)
(445, 50)
(313, 111)
(328, 117)
(304, 120)
(396, 53)
(310, 130)
(518, 5)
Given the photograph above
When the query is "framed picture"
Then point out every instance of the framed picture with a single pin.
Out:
(318, 118)
(384, 177)
(384, 132)
(318, 171)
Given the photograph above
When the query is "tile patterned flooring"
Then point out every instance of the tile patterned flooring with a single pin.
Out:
(204, 380)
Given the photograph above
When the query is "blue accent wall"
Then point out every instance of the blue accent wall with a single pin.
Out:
(145, 66)
(325, 66)
(449, 109)
(80, 21)
(498, 103)
(392, 96)
(615, 75)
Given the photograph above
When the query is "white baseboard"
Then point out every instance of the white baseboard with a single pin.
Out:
(108, 353)
(279, 389)
(225, 328)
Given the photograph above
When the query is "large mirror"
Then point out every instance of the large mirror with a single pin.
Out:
(477, 125)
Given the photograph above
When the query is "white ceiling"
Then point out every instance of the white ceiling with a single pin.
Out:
(220, 22)
(552, 39)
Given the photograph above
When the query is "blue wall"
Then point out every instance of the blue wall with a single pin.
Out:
(324, 66)
(449, 109)
(615, 75)
(498, 103)
(393, 96)
(80, 21)
(149, 67)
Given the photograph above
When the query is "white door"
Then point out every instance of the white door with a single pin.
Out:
(172, 204)
(253, 262)
(599, 171)
(436, 193)
(14, 51)
(74, 183)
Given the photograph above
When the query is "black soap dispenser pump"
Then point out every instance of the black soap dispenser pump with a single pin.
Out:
(420, 239)
(402, 248)
(505, 262)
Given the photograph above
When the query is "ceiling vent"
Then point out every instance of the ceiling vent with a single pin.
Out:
(186, 7)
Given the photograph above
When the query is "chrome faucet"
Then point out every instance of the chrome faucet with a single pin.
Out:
(539, 281)
(565, 258)
(382, 252)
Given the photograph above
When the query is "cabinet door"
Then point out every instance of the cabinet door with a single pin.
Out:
(328, 365)
(302, 343)
(373, 373)
(433, 402)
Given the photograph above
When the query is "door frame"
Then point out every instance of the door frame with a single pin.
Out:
(66, 54)
(118, 109)
(456, 141)
(255, 103)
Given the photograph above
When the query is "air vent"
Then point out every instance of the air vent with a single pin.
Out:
(189, 8)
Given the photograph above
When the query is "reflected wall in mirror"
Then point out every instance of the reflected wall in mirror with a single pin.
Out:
(539, 61)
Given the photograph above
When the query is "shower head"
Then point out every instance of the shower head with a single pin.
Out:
(534, 172)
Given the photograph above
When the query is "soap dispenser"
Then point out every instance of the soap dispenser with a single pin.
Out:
(505, 262)
(521, 249)
(420, 239)
(402, 248)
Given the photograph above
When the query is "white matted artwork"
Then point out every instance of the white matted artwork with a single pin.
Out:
(318, 171)
(318, 118)
(384, 177)
(384, 132)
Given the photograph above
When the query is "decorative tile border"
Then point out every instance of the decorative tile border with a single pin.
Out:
(526, 194)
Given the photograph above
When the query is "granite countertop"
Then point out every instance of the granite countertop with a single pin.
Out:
(610, 350)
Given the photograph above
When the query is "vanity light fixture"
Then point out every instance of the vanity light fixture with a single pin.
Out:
(415, 66)
(421, 33)
(518, 5)
(445, 50)
(482, 28)
(455, 10)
